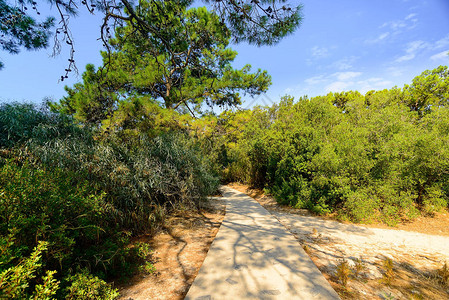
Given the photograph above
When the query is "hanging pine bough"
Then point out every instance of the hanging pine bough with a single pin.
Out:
(259, 22)
(256, 22)
(18, 29)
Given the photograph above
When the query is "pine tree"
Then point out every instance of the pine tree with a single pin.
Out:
(182, 64)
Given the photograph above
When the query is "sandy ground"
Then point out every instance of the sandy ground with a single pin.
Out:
(179, 252)
(416, 256)
(329, 242)
(418, 250)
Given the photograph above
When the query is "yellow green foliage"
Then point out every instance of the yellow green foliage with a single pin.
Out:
(378, 156)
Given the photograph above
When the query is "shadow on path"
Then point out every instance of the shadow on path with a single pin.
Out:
(254, 257)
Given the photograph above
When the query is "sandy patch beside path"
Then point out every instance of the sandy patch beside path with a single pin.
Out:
(357, 240)
(416, 257)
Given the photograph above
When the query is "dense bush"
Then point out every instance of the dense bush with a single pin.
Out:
(20, 122)
(380, 156)
(52, 206)
(162, 171)
(84, 195)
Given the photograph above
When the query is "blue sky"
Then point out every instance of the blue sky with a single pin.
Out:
(341, 45)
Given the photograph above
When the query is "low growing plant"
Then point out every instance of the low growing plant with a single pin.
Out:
(443, 274)
(359, 267)
(388, 272)
(16, 280)
(85, 286)
(343, 272)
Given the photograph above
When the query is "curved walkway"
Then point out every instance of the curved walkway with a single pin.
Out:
(254, 257)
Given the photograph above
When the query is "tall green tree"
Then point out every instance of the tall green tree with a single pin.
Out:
(431, 88)
(183, 65)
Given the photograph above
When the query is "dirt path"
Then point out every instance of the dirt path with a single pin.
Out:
(415, 257)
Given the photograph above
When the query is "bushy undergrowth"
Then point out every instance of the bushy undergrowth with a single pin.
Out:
(381, 156)
(84, 196)
(149, 174)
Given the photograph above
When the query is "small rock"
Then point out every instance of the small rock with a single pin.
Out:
(372, 272)
(351, 263)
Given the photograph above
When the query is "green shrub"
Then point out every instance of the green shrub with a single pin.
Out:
(85, 195)
(54, 206)
(258, 164)
(435, 200)
(20, 122)
(362, 206)
(373, 157)
(15, 280)
(85, 286)
(137, 173)
(17, 122)
(166, 170)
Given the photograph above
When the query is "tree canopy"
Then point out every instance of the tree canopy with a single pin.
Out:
(260, 22)
(431, 88)
(380, 156)
(182, 64)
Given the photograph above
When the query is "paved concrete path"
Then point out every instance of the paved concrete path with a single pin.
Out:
(254, 257)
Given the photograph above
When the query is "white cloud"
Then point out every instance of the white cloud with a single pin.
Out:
(393, 28)
(441, 56)
(383, 36)
(363, 86)
(374, 83)
(413, 48)
(344, 81)
(396, 26)
(416, 47)
(338, 86)
(346, 75)
(320, 52)
(442, 42)
(410, 16)
(395, 71)
(315, 80)
(335, 82)
(372, 79)
(345, 63)
(406, 57)
(379, 39)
